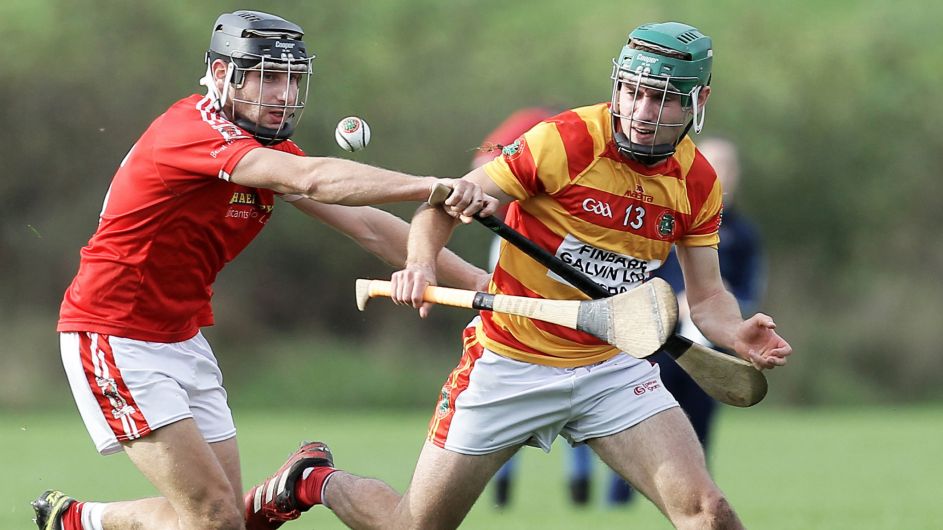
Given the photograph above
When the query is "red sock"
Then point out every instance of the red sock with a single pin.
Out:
(308, 490)
(72, 517)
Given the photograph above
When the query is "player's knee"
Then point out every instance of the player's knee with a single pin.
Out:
(710, 509)
(218, 513)
(714, 511)
(223, 520)
(720, 511)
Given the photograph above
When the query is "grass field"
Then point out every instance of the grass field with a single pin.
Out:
(782, 469)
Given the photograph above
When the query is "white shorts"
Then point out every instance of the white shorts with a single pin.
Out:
(127, 388)
(491, 402)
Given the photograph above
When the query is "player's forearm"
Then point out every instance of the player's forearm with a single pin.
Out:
(338, 181)
(717, 317)
(386, 236)
(429, 232)
(453, 271)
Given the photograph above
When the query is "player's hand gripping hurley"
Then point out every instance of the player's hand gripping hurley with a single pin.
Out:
(637, 321)
(726, 378)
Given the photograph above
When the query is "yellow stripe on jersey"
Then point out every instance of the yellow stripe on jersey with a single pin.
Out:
(577, 355)
(613, 219)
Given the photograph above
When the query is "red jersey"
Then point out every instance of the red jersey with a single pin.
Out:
(170, 222)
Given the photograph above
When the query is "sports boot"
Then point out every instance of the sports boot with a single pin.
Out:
(49, 508)
(273, 502)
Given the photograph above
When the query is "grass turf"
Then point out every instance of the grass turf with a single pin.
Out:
(875, 468)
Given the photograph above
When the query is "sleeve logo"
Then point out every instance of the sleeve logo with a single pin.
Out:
(510, 152)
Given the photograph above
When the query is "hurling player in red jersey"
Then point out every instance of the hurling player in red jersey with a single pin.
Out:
(608, 188)
(194, 190)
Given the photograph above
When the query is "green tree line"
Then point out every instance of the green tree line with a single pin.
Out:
(833, 104)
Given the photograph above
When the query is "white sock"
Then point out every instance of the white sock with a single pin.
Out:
(324, 489)
(92, 515)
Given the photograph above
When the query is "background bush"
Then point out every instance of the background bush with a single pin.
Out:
(833, 104)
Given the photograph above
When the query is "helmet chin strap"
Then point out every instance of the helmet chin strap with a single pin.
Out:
(645, 154)
(210, 83)
(648, 155)
(266, 135)
(698, 124)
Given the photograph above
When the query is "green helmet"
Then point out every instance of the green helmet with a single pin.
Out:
(669, 56)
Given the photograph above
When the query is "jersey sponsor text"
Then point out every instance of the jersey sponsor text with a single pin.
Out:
(616, 272)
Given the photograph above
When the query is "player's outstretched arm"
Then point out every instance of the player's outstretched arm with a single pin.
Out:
(339, 181)
(384, 235)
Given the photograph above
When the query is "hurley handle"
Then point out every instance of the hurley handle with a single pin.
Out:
(367, 289)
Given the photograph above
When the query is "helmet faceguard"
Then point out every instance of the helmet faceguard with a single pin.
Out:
(672, 59)
(255, 43)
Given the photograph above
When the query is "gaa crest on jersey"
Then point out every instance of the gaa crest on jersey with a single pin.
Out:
(666, 225)
(512, 151)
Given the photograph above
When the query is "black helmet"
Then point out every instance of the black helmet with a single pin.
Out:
(256, 41)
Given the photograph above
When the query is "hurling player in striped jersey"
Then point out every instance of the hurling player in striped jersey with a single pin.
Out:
(194, 190)
(608, 188)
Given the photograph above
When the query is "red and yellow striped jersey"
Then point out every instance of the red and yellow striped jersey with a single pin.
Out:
(609, 217)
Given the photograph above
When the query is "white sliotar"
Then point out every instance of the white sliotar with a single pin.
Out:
(352, 133)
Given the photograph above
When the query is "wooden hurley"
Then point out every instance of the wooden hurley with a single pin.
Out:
(726, 378)
(637, 322)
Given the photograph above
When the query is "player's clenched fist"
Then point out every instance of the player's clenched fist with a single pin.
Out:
(467, 199)
(408, 285)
